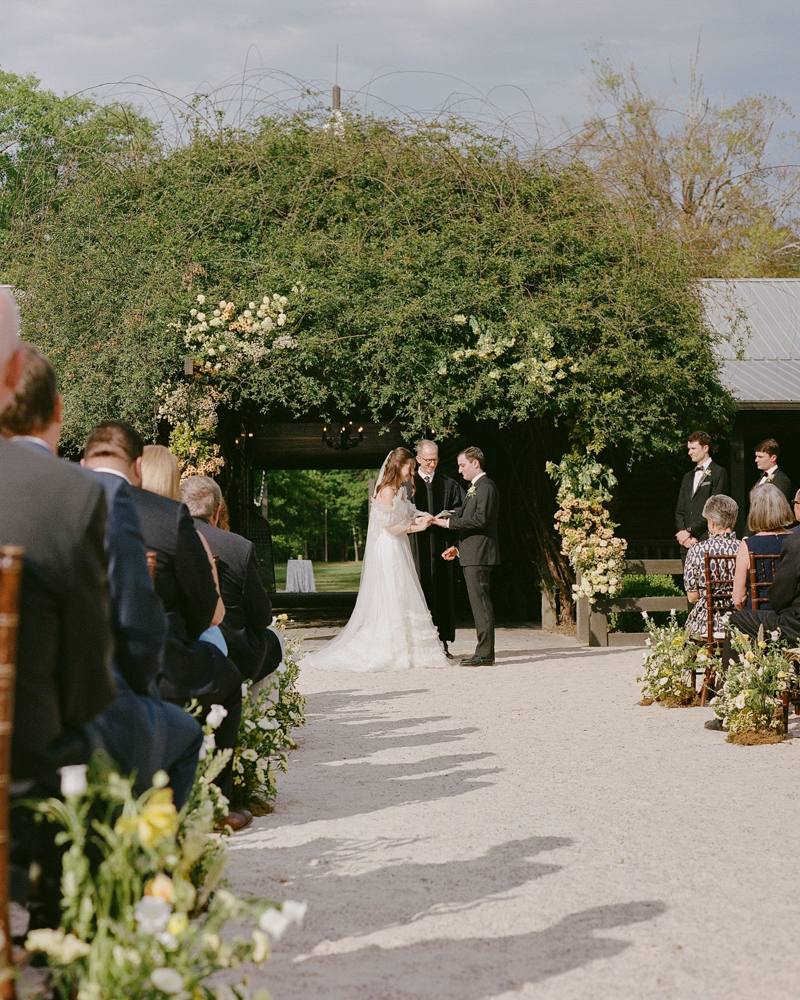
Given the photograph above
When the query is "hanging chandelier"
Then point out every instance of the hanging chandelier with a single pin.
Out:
(343, 435)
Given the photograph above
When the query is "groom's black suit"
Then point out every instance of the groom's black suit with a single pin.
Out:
(476, 523)
(689, 511)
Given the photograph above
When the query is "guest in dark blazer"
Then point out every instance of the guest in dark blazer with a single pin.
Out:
(767, 453)
(185, 584)
(58, 515)
(252, 645)
(705, 480)
(435, 492)
(142, 733)
(477, 551)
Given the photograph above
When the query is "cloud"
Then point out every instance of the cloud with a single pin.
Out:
(527, 57)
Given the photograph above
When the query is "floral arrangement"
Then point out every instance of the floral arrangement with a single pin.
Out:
(224, 340)
(749, 701)
(132, 925)
(587, 531)
(669, 659)
(265, 734)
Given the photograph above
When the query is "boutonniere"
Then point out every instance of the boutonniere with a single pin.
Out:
(706, 475)
(471, 491)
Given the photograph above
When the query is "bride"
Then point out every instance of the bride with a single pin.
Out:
(391, 627)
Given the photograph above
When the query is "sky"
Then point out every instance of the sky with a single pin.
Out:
(521, 62)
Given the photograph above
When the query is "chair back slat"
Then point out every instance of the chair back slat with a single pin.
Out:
(152, 563)
(10, 581)
(719, 571)
(763, 566)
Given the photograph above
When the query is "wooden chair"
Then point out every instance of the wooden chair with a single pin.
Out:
(152, 561)
(719, 570)
(767, 564)
(10, 578)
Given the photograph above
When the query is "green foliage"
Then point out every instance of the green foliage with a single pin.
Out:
(397, 232)
(638, 585)
(297, 504)
(668, 663)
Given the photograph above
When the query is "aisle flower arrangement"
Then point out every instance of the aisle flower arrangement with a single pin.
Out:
(587, 531)
(132, 923)
(669, 660)
(265, 735)
(749, 701)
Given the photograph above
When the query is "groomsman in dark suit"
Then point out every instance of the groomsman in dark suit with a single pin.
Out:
(435, 492)
(705, 480)
(477, 551)
(767, 453)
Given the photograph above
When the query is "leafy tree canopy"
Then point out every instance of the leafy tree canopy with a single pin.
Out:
(440, 276)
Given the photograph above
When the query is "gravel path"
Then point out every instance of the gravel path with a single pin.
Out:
(526, 830)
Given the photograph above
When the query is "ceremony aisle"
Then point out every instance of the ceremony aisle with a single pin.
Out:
(526, 830)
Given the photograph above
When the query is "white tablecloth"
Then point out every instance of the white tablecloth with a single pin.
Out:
(300, 577)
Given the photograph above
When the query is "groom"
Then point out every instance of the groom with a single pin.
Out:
(476, 523)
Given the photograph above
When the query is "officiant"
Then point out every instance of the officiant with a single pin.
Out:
(435, 492)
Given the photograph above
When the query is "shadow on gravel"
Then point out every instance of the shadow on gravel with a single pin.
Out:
(468, 969)
(507, 656)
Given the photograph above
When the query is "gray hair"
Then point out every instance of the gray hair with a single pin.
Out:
(430, 444)
(769, 509)
(9, 326)
(202, 496)
(722, 510)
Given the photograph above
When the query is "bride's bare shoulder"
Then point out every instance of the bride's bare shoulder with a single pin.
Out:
(386, 496)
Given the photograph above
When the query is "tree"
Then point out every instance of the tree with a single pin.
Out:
(441, 278)
(699, 169)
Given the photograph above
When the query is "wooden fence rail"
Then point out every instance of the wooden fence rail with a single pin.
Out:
(592, 621)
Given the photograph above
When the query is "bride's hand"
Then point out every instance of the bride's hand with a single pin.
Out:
(423, 519)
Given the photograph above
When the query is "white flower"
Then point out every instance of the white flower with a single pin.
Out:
(645, 615)
(261, 947)
(252, 305)
(648, 642)
(274, 923)
(167, 980)
(249, 755)
(294, 911)
(672, 611)
(281, 668)
(216, 715)
(201, 317)
(209, 744)
(245, 689)
(739, 701)
(664, 681)
(201, 299)
(160, 779)
(73, 780)
(267, 724)
(168, 941)
(152, 914)
(775, 635)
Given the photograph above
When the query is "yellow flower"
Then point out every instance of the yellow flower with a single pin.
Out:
(161, 886)
(158, 820)
(178, 923)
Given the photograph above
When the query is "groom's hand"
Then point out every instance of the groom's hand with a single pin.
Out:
(442, 522)
(450, 554)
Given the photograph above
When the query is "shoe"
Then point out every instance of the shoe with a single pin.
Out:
(238, 820)
(447, 652)
(477, 661)
(715, 724)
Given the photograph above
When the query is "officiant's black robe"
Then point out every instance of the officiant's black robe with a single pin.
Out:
(435, 574)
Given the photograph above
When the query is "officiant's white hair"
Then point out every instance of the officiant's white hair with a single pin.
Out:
(429, 444)
(9, 326)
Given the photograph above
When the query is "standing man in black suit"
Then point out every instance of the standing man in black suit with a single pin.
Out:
(767, 453)
(435, 492)
(706, 479)
(252, 645)
(58, 515)
(477, 551)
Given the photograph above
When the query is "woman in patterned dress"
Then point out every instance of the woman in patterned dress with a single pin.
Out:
(721, 512)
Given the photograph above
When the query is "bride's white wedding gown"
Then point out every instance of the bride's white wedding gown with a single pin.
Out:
(391, 626)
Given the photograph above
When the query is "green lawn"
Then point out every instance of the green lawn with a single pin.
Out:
(328, 576)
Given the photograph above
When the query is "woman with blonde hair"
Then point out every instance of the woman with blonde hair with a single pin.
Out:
(768, 520)
(160, 472)
(391, 627)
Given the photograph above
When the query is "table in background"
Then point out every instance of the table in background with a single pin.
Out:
(300, 577)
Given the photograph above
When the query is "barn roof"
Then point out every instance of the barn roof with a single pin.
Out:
(759, 317)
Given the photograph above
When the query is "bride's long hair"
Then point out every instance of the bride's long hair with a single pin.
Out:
(393, 473)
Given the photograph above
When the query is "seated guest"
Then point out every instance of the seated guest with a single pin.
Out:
(185, 584)
(767, 453)
(142, 733)
(160, 474)
(252, 645)
(720, 512)
(796, 511)
(65, 640)
(768, 521)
